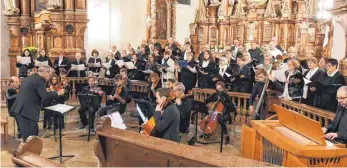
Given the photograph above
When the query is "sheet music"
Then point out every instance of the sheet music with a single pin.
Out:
(24, 60)
(106, 65)
(147, 71)
(79, 67)
(144, 119)
(117, 121)
(129, 65)
(120, 63)
(280, 75)
(283, 66)
(61, 108)
(228, 75)
(41, 63)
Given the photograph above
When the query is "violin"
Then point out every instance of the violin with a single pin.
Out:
(210, 123)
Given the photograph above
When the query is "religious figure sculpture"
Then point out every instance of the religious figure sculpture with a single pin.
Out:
(212, 2)
(221, 10)
(54, 4)
(10, 7)
(202, 11)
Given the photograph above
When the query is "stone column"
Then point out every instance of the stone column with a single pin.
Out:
(169, 23)
(148, 18)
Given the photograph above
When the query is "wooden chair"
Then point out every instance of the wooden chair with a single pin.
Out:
(4, 123)
(28, 154)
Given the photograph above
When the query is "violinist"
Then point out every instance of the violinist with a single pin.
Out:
(117, 98)
(90, 89)
(155, 85)
(223, 96)
(167, 116)
(184, 105)
(11, 94)
(127, 82)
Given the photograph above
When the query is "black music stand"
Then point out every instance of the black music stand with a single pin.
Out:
(59, 113)
(200, 107)
(147, 109)
(89, 100)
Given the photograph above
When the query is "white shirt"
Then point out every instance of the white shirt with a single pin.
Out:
(331, 75)
(308, 76)
(286, 86)
(60, 60)
(205, 63)
(222, 70)
(276, 52)
(235, 51)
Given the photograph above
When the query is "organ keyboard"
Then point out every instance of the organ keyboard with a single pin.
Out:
(292, 140)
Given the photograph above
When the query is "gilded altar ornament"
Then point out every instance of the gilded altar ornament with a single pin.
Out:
(54, 4)
(10, 7)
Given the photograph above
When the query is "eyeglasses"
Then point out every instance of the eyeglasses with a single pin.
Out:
(341, 98)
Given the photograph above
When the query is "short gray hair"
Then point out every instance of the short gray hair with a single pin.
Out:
(44, 68)
(343, 89)
(179, 86)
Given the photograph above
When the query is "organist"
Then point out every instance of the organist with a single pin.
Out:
(337, 129)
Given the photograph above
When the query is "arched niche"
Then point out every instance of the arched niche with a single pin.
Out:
(339, 41)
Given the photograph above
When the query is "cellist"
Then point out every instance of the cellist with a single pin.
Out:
(229, 107)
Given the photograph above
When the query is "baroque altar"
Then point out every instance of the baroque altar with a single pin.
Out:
(292, 22)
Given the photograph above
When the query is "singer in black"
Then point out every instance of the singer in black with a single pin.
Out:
(23, 68)
(229, 107)
(207, 68)
(117, 99)
(113, 69)
(61, 63)
(28, 102)
(43, 58)
(94, 62)
(188, 74)
(243, 80)
(90, 89)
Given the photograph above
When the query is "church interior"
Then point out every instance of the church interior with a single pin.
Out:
(173, 83)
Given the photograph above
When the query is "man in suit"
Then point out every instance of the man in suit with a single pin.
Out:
(11, 94)
(167, 117)
(28, 102)
(336, 130)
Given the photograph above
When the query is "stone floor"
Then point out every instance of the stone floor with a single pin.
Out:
(84, 150)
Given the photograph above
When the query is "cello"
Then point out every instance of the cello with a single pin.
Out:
(210, 123)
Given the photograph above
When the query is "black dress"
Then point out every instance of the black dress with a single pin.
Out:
(309, 100)
(205, 81)
(75, 73)
(65, 64)
(188, 78)
(243, 85)
(136, 74)
(94, 60)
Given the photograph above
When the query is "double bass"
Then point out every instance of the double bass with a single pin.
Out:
(210, 123)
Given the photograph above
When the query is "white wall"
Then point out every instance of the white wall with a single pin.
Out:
(117, 22)
(185, 16)
(5, 44)
(339, 42)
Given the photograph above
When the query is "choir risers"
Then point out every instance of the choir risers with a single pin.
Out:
(122, 148)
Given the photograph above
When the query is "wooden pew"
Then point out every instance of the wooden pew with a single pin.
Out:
(28, 154)
(124, 148)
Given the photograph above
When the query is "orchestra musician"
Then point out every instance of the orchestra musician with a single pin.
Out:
(61, 63)
(23, 68)
(336, 130)
(127, 82)
(258, 87)
(90, 89)
(167, 116)
(168, 68)
(154, 85)
(184, 105)
(94, 62)
(228, 104)
(117, 98)
(11, 94)
(28, 102)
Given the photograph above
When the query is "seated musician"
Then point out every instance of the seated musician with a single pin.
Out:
(11, 95)
(61, 63)
(155, 85)
(127, 82)
(117, 98)
(184, 105)
(90, 89)
(94, 62)
(167, 117)
(170, 82)
(229, 107)
(337, 129)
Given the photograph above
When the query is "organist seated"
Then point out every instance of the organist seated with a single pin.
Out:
(337, 129)
(117, 98)
(90, 89)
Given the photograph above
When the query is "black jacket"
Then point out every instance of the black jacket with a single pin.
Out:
(339, 125)
(45, 58)
(65, 64)
(114, 69)
(74, 73)
(11, 95)
(184, 109)
(29, 99)
(311, 95)
(167, 125)
(23, 68)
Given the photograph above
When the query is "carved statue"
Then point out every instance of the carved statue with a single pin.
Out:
(212, 2)
(202, 11)
(54, 4)
(221, 10)
(10, 7)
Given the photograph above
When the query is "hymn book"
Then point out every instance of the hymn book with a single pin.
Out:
(79, 67)
(24, 60)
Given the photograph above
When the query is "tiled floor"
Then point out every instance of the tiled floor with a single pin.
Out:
(83, 150)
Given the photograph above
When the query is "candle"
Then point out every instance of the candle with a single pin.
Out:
(23, 41)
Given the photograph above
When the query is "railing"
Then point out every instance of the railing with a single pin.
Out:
(322, 116)
(240, 100)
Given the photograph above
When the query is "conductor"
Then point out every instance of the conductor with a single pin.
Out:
(27, 106)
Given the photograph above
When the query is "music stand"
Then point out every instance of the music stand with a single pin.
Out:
(199, 107)
(147, 109)
(89, 100)
(59, 111)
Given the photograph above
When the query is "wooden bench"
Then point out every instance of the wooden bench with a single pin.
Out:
(123, 148)
(28, 154)
(4, 123)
